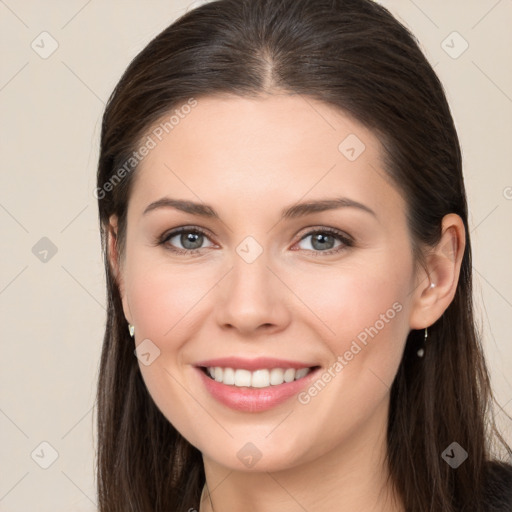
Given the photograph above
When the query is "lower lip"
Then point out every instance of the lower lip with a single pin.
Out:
(255, 399)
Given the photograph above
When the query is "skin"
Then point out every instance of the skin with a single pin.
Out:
(249, 159)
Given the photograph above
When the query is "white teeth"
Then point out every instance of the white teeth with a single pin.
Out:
(228, 376)
(257, 379)
(301, 373)
(242, 377)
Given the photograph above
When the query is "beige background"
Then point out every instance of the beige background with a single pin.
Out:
(52, 313)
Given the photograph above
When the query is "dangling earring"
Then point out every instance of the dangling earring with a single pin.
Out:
(421, 351)
(131, 329)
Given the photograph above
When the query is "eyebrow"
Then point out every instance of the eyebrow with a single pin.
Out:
(294, 211)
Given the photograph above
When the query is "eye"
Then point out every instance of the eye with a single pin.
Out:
(191, 240)
(323, 240)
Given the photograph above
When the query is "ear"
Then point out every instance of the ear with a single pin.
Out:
(116, 264)
(435, 287)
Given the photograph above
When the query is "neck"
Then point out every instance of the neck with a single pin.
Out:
(351, 476)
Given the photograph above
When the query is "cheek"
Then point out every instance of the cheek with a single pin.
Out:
(163, 297)
(364, 324)
(164, 302)
(361, 311)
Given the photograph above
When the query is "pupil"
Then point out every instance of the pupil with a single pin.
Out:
(191, 238)
(321, 239)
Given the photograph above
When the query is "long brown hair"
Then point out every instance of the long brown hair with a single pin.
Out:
(355, 56)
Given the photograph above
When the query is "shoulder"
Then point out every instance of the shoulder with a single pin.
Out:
(498, 487)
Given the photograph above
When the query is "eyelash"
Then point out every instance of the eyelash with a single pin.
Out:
(345, 239)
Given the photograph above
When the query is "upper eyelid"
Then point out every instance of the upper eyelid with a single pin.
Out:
(185, 229)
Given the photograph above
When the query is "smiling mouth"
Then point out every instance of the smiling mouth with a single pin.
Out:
(261, 378)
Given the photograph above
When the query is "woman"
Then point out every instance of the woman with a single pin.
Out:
(290, 321)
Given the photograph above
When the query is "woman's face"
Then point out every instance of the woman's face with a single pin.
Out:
(329, 288)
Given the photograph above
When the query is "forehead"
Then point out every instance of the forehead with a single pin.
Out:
(276, 148)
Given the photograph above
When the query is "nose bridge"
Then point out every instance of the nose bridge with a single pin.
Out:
(251, 295)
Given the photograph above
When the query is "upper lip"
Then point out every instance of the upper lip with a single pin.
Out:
(253, 364)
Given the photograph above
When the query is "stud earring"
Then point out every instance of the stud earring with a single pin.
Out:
(131, 329)
(421, 351)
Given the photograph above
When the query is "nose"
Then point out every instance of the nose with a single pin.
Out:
(252, 300)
